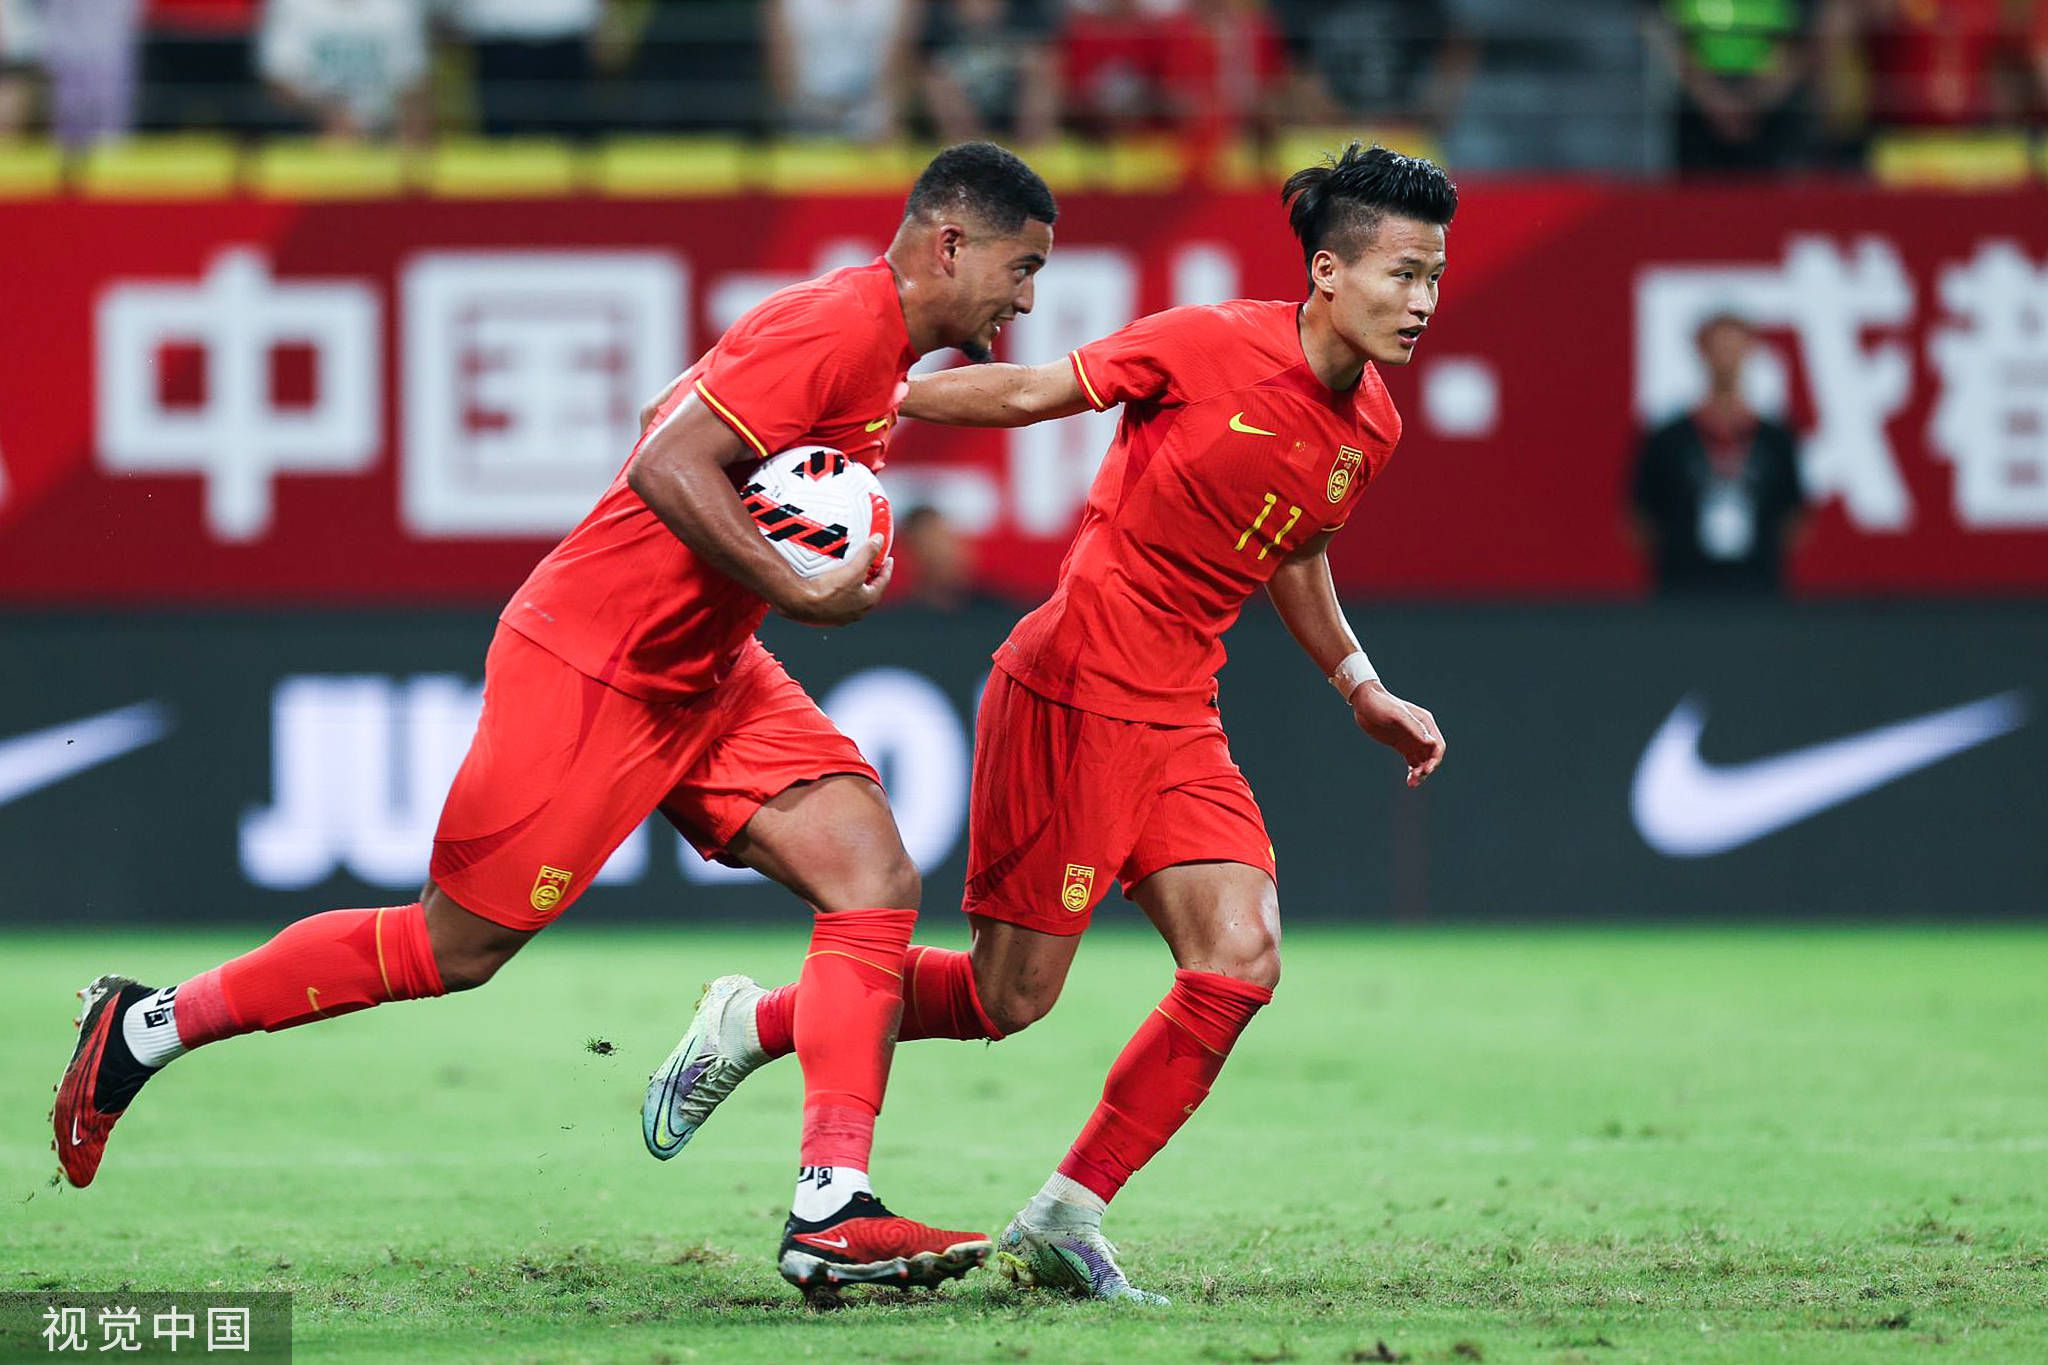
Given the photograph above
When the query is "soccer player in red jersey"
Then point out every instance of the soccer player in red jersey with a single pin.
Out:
(625, 677)
(1250, 430)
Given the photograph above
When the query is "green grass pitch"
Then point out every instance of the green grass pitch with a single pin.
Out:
(1502, 1145)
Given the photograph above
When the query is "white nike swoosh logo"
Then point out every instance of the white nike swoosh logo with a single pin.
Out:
(1686, 808)
(815, 1240)
(30, 762)
(74, 1130)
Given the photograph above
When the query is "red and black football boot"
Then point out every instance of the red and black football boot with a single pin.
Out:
(864, 1243)
(101, 1080)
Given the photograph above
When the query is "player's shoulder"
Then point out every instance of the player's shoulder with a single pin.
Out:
(1220, 347)
(826, 308)
(1254, 323)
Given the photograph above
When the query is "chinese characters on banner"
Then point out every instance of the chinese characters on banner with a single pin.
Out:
(409, 401)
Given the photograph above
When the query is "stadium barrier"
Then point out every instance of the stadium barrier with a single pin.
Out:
(1606, 763)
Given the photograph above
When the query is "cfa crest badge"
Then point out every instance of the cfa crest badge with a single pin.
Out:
(1349, 458)
(1080, 888)
(549, 887)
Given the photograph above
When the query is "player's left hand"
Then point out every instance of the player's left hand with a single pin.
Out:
(1402, 726)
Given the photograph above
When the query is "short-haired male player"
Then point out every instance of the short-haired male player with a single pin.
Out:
(625, 677)
(1249, 431)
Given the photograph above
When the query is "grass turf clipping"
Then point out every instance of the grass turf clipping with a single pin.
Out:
(1443, 1146)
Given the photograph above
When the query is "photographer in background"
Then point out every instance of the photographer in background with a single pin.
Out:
(1716, 498)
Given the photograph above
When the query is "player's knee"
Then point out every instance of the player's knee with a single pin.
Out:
(465, 967)
(468, 949)
(869, 882)
(1251, 955)
(902, 884)
(1015, 1008)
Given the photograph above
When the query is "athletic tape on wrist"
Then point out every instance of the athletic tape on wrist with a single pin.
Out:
(1355, 670)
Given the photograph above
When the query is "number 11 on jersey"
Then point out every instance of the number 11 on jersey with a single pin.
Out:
(1293, 515)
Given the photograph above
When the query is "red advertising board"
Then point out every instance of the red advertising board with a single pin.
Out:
(408, 401)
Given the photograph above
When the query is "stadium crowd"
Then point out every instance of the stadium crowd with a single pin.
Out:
(1571, 85)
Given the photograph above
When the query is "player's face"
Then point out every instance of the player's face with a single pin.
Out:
(1381, 301)
(993, 277)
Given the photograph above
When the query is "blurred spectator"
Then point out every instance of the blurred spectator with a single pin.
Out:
(1741, 67)
(2037, 58)
(196, 64)
(534, 61)
(1390, 61)
(1205, 67)
(1925, 63)
(1717, 500)
(1559, 86)
(687, 64)
(940, 562)
(1112, 70)
(1227, 69)
(90, 59)
(20, 60)
(353, 68)
(989, 72)
(842, 68)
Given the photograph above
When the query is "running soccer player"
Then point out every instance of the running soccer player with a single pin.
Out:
(625, 677)
(1249, 431)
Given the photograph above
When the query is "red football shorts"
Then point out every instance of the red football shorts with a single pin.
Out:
(563, 768)
(1065, 800)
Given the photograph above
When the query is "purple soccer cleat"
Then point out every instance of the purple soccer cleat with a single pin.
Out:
(721, 1048)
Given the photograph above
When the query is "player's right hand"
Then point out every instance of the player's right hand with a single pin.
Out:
(845, 594)
(1402, 726)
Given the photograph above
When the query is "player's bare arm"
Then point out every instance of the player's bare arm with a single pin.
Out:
(679, 472)
(996, 395)
(1306, 598)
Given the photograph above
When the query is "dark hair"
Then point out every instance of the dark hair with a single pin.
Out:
(988, 182)
(1339, 205)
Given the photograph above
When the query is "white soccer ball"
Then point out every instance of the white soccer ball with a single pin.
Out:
(815, 506)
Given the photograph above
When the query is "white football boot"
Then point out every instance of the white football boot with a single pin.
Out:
(1074, 1259)
(720, 1050)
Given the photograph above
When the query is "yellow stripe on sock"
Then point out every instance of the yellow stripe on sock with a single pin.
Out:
(377, 932)
(910, 982)
(1161, 1011)
(834, 952)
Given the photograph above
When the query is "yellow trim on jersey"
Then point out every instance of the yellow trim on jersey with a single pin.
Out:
(731, 418)
(1087, 387)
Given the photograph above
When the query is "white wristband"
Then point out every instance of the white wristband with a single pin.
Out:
(1354, 670)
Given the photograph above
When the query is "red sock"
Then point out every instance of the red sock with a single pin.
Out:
(850, 997)
(1163, 1073)
(939, 1001)
(317, 968)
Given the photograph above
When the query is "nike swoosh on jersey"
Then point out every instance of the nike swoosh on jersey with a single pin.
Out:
(1685, 807)
(878, 424)
(1238, 423)
(42, 758)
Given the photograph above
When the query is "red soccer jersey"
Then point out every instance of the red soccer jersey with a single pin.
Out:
(1231, 453)
(824, 362)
